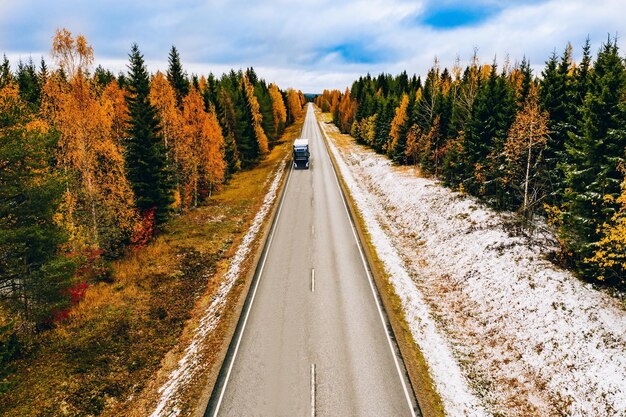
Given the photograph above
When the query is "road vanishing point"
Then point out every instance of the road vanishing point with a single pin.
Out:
(313, 339)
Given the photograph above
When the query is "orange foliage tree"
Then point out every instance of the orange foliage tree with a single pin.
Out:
(397, 125)
(98, 207)
(294, 106)
(201, 151)
(347, 111)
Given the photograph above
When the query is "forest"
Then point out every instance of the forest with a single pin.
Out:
(95, 164)
(549, 146)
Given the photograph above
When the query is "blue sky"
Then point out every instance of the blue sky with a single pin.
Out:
(314, 44)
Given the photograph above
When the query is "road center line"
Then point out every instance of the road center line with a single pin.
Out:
(312, 280)
(313, 382)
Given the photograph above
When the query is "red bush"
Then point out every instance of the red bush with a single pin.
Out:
(144, 229)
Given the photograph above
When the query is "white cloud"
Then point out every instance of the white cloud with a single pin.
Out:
(309, 45)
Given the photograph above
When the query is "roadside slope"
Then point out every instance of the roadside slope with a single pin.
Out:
(503, 331)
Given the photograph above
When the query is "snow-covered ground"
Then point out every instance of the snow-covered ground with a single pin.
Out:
(503, 330)
(190, 363)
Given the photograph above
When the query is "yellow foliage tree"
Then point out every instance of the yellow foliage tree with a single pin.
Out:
(526, 139)
(257, 117)
(398, 123)
(72, 55)
(610, 257)
(278, 109)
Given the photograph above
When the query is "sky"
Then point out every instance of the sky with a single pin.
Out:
(313, 44)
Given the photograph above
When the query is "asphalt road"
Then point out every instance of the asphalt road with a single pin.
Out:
(314, 341)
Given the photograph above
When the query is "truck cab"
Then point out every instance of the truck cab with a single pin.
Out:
(301, 153)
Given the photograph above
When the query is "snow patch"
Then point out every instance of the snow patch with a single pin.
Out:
(189, 364)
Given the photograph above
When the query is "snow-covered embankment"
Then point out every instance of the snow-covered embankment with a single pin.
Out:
(502, 329)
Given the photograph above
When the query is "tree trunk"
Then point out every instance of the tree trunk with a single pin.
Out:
(530, 147)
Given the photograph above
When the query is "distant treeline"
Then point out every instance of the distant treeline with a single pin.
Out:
(92, 163)
(553, 144)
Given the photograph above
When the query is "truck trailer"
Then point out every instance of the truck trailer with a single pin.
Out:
(301, 153)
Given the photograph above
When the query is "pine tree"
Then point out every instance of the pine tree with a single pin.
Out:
(146, 160)
(177, 77)
(595, 156)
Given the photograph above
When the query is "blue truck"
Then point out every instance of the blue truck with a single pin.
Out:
(301, 153)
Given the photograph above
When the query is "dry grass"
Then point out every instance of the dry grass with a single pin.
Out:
(417, 367)
(104, 358)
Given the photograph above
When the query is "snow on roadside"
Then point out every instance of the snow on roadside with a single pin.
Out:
(494, 319)
(189, 364)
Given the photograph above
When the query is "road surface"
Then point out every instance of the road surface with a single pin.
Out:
(314, 341)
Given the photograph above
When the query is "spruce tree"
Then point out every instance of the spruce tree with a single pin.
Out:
(42, 75)
(527, 80)
(5, 72)
(487, 128)
(582, 81)
(262, 95)
(595, 156)
(556, 98)
(177, 77)
(103, 77)
(228, 120)
(27, 80)
(146, 162)
(383, 124)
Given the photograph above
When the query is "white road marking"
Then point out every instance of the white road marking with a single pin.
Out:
(371, 282)
(312, 280)
(256, 286)
(313, 382)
